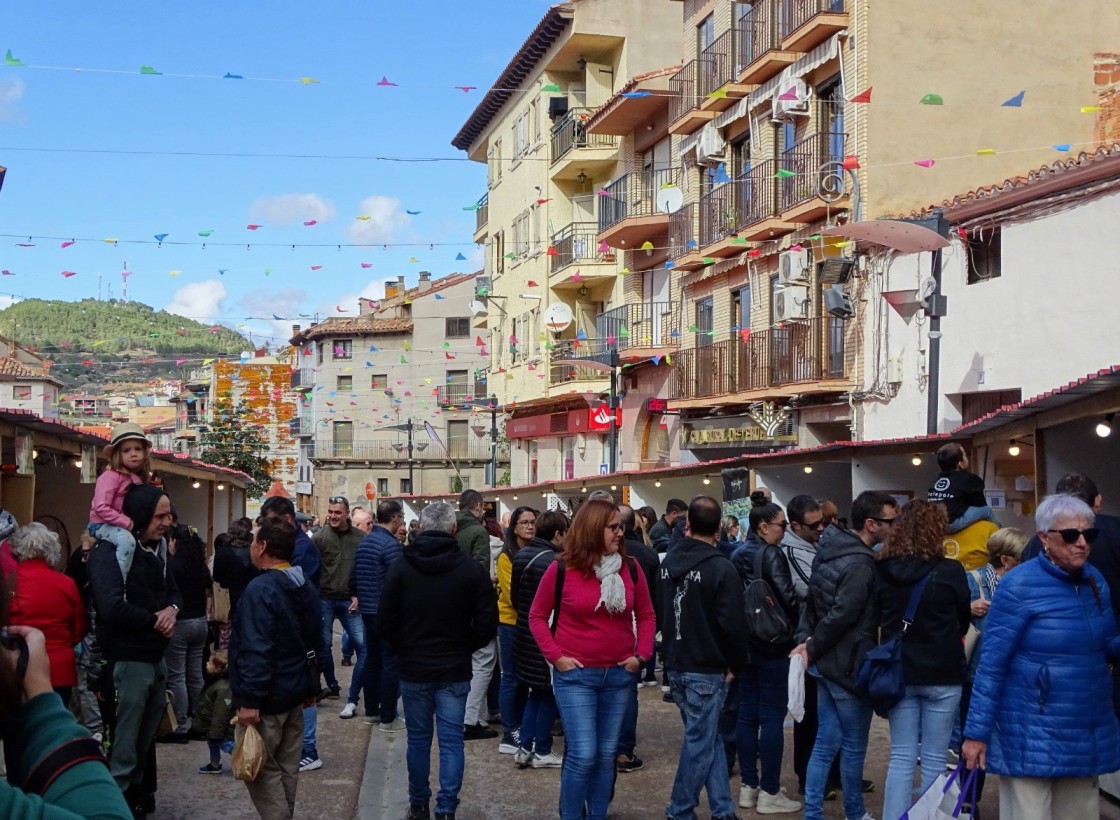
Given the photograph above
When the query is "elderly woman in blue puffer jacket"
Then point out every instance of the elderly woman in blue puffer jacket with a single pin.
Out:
(1041, 714)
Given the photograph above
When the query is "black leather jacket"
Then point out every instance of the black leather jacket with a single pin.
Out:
(754, 558)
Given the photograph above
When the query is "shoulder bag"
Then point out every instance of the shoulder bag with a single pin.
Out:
(880, 677)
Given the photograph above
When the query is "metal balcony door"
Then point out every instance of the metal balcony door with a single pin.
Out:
(343, 432)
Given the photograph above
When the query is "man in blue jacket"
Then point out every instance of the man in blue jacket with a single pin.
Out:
(305, 556)
(376, 553)
(273, 670)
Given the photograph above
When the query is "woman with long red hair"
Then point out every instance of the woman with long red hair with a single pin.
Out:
(600, 636)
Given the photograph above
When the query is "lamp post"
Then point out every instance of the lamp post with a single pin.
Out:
(610, 366)
(411, 486)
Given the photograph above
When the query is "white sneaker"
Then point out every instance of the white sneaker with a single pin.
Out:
(310, 764)
(748, 797)
(348, 711)
(548, 761)
(396, 726)
(523, 757)
(776, 803)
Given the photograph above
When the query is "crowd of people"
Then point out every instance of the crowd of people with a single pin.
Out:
(548, 624)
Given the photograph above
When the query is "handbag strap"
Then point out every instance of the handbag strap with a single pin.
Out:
(916, 593)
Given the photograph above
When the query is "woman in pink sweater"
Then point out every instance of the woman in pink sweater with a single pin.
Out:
(601, 634)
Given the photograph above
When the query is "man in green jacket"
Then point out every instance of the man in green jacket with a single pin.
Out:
(475, 542)
(338, 544)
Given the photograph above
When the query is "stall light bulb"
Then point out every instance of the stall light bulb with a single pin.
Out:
(916, 461)
(808, 468)
(1104, 429)
(707, 480)
(657, 483)
(196, 485)
(1013, 450)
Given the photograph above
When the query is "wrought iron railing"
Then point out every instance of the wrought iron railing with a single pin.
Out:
(455, 393)
(482, 213)
(756, 32)
(796, 13)
(637, 324)
(576, 243)
(594, 350)
(634, 194)
(571, 133)
(475, 449)
(715, 65)
(813, 163)
(303, 378)
(682, 231)
(300, 427)
(682, 90)
(798, 351)
(720, 214)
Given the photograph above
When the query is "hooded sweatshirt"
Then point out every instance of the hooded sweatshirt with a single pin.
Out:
(437, 607)
(700, 599)
(840, 619)
(277, 624)
(800, 554)
(932, 651)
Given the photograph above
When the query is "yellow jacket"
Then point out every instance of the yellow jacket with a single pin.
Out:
(970, 545)
(507, 612)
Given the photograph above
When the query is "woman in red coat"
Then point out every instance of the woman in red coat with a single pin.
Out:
(49, 601)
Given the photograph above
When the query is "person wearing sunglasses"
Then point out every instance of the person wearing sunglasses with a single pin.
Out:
(1041, 713)
(759, 732)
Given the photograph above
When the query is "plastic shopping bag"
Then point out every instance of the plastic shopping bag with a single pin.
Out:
(945, 796)
(795, 688)
(248, 754)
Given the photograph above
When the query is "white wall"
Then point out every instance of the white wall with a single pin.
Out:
(892, 474)
(1036, 327)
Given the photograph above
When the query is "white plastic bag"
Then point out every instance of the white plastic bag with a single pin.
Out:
(796, 688)
(945, 796)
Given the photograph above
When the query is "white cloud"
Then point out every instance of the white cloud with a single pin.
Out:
(287, 303)
(201, 301)
(7, 300)
(386, 218)
(11, 92)
(289, 208)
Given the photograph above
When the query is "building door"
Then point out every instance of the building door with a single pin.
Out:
(343, 438)
(458, 440)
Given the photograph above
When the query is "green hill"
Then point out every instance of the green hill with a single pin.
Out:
(124, 341)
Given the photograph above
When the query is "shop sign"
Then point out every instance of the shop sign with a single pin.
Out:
(766, 427)
(599, 419)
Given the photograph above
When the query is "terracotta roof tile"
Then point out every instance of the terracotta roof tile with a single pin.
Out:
(12, 367)
(355, 326)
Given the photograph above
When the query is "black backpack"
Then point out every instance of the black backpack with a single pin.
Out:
(767, 623)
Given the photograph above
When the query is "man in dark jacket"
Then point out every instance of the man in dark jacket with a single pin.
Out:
(337, 544)
(648, 560)
(438, 606)
(376, 553)
(660, 532)
(136, 616)
(273, 672)
(306, 557)
(474, 541)
(702, 633)
(838, 627)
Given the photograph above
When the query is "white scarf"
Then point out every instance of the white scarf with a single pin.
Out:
(612, 591)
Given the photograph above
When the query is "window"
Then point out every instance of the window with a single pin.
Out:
(498, 248)
(978, 405)
(343, 349)
(535, 119)
(515, 340)
(741, 308)
(774, 288)
(458, 440)
(496, 162)
(406, 487)
(21, 392)
(537, 241)
(704, 314)
(521, 136)
(457, 386)
(985, 256)
(831, 114)
(343, 435)
(379, 381)
(345, 384)
(741, 158)
(705, 34)
(382, 486)
(319, 356)
(457, 327)
(534, 462)
(521, 234)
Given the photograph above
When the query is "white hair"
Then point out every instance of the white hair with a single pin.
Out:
(437, 517)
(1054, 508)
(35, 541)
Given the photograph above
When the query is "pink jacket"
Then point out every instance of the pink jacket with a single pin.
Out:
(108, 498)
(594, 637)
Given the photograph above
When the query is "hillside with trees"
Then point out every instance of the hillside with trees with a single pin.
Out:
(95, 342)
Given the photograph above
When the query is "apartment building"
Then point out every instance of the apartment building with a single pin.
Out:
(552, 289)
(26, 382)
(367, 385)
(796, 116)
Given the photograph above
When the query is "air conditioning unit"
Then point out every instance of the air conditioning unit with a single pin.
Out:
(482, 285)
(791, 303)
(793, 267)
(785, 110)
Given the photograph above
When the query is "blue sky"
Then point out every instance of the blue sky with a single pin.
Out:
(347, 46)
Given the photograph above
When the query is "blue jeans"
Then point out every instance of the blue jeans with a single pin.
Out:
(924, 717)
(347, 646)
(428, 707)
(592, 701)
(511, 695)
(536, 723)
(380, 675)
(183, 657)
(628, 734)
(339, 608)
(844, 723)
(310, 728)
(702, 764)
(760, 732)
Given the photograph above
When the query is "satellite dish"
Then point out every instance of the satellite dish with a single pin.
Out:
(558, 317)
(476, 307)
(670, 200)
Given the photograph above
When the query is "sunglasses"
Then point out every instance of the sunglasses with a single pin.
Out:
(782, 524)
(1071, 535)
(887, 521)
(337, 499)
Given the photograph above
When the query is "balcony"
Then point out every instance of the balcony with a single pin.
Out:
(637, 327)
(577, 245)
(628, 213)
(819, 185)
(741, 211)
(481, 215)
(759, 51)
(808, 23)
(449, 395)
(685, 114)
(303, 379)
(301, 427)
(803, 352)
(684, 250)
(576, 151)
(397, 451)
(596, 350)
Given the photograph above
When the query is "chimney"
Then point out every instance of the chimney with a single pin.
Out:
(425, 281)
(400, 283)
(295, 331)
(390, 288)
